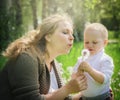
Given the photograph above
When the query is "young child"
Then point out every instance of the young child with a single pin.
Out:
(98, 67)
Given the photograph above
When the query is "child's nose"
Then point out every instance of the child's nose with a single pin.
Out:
(90, 45)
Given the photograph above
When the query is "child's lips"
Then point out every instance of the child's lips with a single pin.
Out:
(90, 49)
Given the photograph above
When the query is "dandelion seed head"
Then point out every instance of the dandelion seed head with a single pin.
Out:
(85, 54)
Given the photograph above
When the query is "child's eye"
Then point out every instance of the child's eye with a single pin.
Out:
(95, 42)
(86, 42)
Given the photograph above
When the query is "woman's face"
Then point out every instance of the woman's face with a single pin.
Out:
(61, 41)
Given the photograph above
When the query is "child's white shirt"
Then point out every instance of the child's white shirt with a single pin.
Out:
(103, 63)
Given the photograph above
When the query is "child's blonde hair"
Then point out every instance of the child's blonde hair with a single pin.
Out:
(99, 28)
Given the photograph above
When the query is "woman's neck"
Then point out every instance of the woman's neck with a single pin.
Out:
(50, 56)
(48, 61)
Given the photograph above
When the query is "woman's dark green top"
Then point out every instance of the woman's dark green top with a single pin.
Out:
(24, 78)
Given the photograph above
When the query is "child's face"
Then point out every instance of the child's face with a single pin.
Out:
(93, 41)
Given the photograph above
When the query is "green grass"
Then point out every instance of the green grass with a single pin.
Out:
(69, 60)
(113, 50)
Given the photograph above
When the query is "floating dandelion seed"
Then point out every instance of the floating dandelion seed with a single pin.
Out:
(85, 54)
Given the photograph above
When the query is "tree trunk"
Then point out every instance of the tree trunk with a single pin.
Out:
(4, 27)
(44, 8)
(34, 12)
(18, 11)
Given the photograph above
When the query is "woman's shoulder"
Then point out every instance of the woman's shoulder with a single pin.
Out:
(26, 56)
(22, 61)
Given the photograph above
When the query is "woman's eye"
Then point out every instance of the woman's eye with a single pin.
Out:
(64, 32)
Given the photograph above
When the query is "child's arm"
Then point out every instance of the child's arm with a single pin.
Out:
(96, 75)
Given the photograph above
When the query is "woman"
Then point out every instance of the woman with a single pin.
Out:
(27, 74)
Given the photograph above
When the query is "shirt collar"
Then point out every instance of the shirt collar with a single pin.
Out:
(96, 55)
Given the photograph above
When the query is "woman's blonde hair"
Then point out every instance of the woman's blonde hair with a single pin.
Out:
(34, 41)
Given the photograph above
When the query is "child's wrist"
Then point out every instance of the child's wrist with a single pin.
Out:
(88, 69)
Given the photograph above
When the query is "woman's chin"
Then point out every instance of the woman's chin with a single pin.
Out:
(67, 52)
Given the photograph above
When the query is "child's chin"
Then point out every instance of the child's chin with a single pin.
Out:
(92, 53)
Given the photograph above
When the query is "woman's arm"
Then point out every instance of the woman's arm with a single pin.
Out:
(24, 83)
(73, 86)
(24, 78)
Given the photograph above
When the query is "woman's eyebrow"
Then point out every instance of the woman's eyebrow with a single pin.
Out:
(69, 30)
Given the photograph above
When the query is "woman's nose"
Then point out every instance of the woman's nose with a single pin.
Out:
(71, 37)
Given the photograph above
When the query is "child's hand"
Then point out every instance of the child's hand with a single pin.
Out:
(76, 74)
(84, 66)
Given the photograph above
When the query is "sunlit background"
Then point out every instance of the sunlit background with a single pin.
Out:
(19, 16)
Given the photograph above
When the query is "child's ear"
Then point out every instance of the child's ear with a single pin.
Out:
(105, 42)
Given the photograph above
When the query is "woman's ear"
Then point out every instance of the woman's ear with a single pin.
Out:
(48, 37)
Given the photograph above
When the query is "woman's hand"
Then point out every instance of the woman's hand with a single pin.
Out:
(76, 84)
